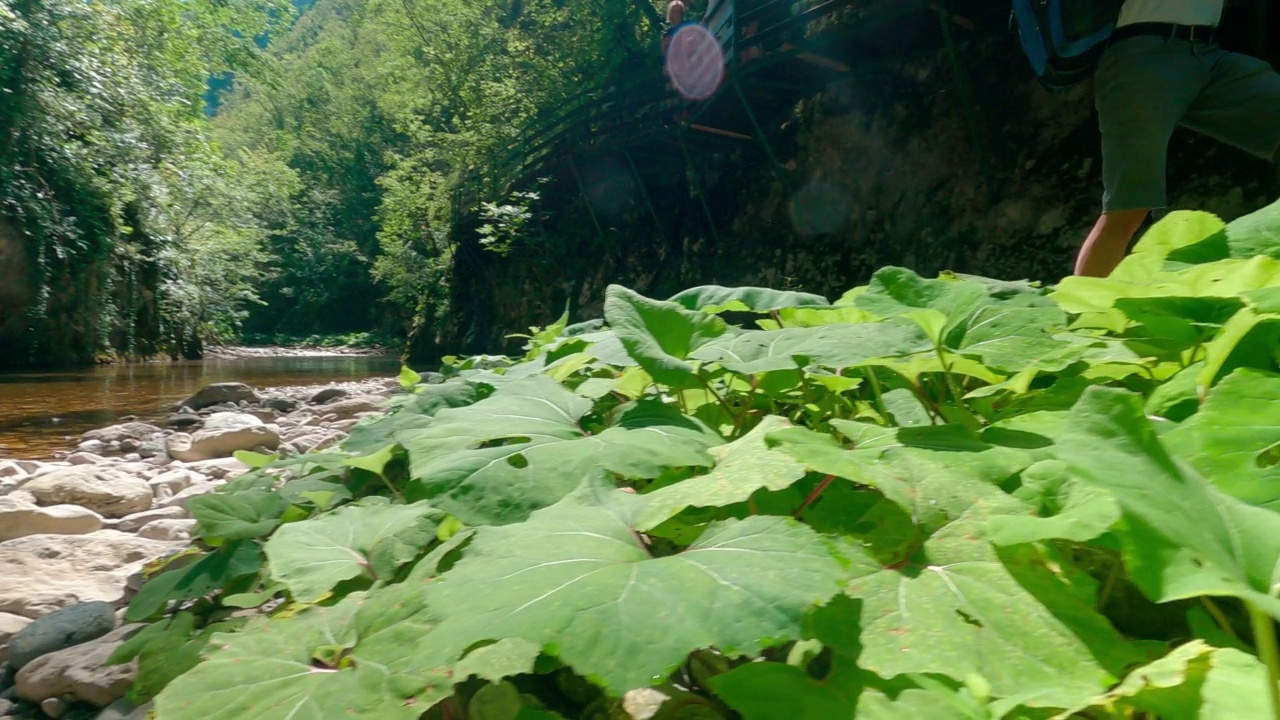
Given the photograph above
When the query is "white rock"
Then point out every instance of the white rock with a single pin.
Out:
(81, 671)
(43, 573)
(219, 469)
(131, 523)
(11, 469)
(102, 489)
(19, 519)
(350, 407)
(174, 481)
(123, 431)
(222, 435)
(84, 458)
(30, 465)
(24, 496)
(172, 529)
(181, 499)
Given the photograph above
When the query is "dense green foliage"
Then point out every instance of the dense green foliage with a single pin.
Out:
(380, 107)
(947, 498)
(123, 226)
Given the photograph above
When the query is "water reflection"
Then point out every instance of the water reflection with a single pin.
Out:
(42, 412)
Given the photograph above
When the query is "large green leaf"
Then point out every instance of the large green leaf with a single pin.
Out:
(742, 467)
(715, 298)
(947, 604)
(213, 571)
(1257, 233)
(1232, 439)
(1010, 339)
(523, 449)
(1248, 339)
(366, 657)
(236, 516)
(1196, 236)
(1064, 508)
(1110, 443)
(370, 539)
(660, 335)
(577, 579)
(1194, 682)
(833, 346)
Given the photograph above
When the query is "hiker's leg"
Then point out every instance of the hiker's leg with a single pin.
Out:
(1144, 86)
(1107, 242)
(1241, 104)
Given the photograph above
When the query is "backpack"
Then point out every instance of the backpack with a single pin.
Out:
(1064, 39)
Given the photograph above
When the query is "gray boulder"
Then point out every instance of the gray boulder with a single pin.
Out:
(218, 393)
(61, 629)
(328, 394)
(81, 672)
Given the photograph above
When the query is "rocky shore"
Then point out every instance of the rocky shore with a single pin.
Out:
(75, 532)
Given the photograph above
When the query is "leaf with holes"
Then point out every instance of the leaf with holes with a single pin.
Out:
(577, 578)
(366, 658)
(1195, 539)
(660, 335)
(369, 538)
(742, 467)
(523, 449)
(1233, 439)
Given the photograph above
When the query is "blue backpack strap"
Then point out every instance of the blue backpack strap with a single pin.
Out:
(1031, 35)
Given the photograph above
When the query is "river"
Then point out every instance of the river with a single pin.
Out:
(44, 412)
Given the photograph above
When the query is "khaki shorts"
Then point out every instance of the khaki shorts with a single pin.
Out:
(1147, 86)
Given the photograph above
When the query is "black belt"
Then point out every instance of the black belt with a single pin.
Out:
(1172, 31)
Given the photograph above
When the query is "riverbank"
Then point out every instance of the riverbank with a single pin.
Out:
(77, 528)
(254, 351)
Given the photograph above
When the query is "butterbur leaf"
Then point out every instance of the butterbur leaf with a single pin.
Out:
(742, 467)
(523, 449)
(1193, 682)
(660, 335)
(1110, 443)
(504, 658)
(576, 578)
(214, 571)
(833, 346)
(1248, 339)
(1231, 439)
(408, 378)
(714, 298)
(368, 657)
(237, 516)
(947, 604)
(1066, 508)
(367, 538)
(775, 691)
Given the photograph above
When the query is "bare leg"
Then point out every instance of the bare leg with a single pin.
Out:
(1107, 242)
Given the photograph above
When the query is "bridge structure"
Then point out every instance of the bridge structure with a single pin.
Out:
(774, 53)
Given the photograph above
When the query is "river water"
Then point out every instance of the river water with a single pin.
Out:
(45, 412)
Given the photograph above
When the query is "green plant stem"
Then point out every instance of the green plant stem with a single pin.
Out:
(1109, 585)
(391, 487)
(822, 486)
(1219, 617)
(1264, 639)
(746, 405)
(875, 390)
(723, 403)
